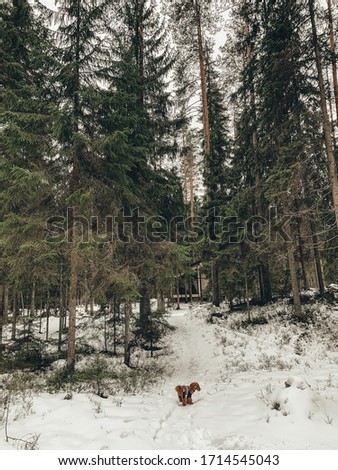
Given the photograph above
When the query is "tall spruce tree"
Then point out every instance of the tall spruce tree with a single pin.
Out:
(25, 145)
(80, 50)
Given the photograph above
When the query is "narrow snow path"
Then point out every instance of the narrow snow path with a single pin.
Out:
(194, 349)
(192, 361)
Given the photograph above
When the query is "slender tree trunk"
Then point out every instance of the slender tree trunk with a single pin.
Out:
(293, 275)
(332, 169)
(185, 178)
(32, 310)
(318, 264)
(47, 314)
(247, 295)
(114, 327)
(333, 57)
(178, 292)
(160, 300)
(86, 292)
(40, 317)
(72, 307)
(144, 301)
(301, 252)
(74, 185)
(2, 301)
(185, 289)
(105, 331)
(127, 315)
(15, 313)
(200, 284)
(201, 56)
(61, 310)
(6, 302)
(190, 288)
(215, 285)
(191, 183)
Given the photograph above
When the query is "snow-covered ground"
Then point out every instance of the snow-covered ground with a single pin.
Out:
(243, 403)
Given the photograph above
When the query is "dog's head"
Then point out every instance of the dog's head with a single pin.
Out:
(179, 390)
(194, 386)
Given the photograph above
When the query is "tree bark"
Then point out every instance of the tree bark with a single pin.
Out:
(215, 285)
(332, 169)
(178, 292)
(144, 301)
(32, 309)
(47, 314)
(75, 180)
(293, 275)
(201, 56)
(185, 180)
(72, 307)
(160, 301)
(15, 314)
(333, 57)
(127, 315)
(301, 252)
(318, 264)
(191, 183)
(6, 302)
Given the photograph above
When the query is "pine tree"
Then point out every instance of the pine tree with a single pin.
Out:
(332, 166)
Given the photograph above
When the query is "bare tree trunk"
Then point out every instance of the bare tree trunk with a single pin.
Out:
(32, 310)
(185, 180)
(127, 315)
(47, 313)
(333, 57)
(332, 169)
(72, 307)
(160, 300)
(144, 301)
(301, 253)
(200, 284)
(191, 183)
(114, 327)
(215, 285)
(247, 294)
(86, 293)
(6, 302)
(190, 288)
(178, 292)
(293, 275)
(201, 56)
(318, 264)
(74, 186)
(61, 310)
(15, 314)
(105, 330)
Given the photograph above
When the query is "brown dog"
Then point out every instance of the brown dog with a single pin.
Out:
(185, 392)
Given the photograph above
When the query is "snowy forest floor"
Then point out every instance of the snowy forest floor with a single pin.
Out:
(243, 403)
